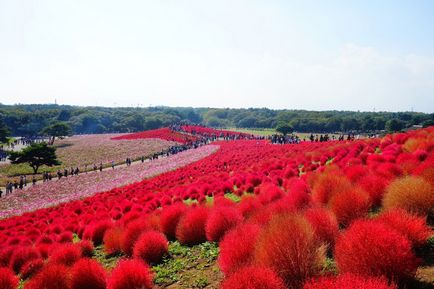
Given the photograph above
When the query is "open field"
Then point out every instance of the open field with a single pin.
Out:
(304, 216)
(86, 150)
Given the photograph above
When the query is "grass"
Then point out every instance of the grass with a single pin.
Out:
(254, 131)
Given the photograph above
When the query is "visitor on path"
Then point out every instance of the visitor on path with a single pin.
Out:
(77, 171)
(21, 185)
(33, 181)
(15, 185)
(1, 192)
(113, 165)
(50, 176)
(100, 167)
(65, 173)
(59, 174)
(95, 167)
(143, 159)
(25, 180)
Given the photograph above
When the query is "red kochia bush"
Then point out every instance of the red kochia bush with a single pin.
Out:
(191, 227)
(327, 184)
(131, 234)
(53, 276)
(412, 194)
(371, 248)
(112, 240)
(169, 219)
(237, 247)
(375, 186)
(98, 230)
(88, 274)
(348, 281)
(350, 205)
(220, 220)
(7, 279)
(131, 274)
(31, 268)
(86, 248)
(288, 246)
(66, 254)
(151, 247)
(21, 256)
(411, 226)
(253, 277)
(324, 224)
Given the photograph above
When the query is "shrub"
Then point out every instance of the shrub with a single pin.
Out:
(7, 279)
(88, 274)
(21, 256)
(220, 220)
(169, 219)
(412, 194)
(288, 246)
(328, 184)
(411, 226)
(31, 268)
(370, 248)
(191, 227)
(131, 234)
(131, 274)
(348, 281)
(324, 224)
(375, 186)
(112, 240)
(86, 248)
(253, 277)
(237, 248)
(66, 254)
(350, 205)
(151, 247)
(98, 230)
(53, 276)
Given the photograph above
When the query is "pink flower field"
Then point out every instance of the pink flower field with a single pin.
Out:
(85, 185)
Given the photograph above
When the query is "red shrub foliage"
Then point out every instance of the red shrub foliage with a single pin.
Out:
(371, 248)
(112, 240)
(411, 226)
(220, 220)
(253, 277)
(191, 227)
(237, 248)
(88, 274)
(65, 254)
(130, 274)
(98, 230)
(7, 279)
(21, 256)
(131, 234)
(169, 219)
(349, 281)
(86, 248)
(412, 194)
(350, 205)
(324, 224)
(327, 185)
(53, 276)
(288, 246)
(151, 247)
(31, 268)
(375, 186)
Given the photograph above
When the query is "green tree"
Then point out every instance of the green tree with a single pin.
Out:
(284, 128)
(4, 132)
(36, 155)
(394, 124)
(58, 129)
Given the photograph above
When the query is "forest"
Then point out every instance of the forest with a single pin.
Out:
(30, 119)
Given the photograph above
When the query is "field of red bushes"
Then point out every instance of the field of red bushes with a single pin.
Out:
(355, 214)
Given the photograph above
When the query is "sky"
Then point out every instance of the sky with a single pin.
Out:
(318, 55)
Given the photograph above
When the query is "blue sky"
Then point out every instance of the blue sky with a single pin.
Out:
(343, 55)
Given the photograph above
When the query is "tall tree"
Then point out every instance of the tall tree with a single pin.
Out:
(36, 155)
(58, 129)
(4, 132)
(284, 128)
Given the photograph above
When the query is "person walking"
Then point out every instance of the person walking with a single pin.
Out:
(100, 167)
(33, 181)
(113, 165)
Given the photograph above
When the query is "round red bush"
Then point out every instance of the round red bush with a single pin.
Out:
(112, 240)
(31, 268)
(371, 248)
(288, 246)
(350, 205)
(191, 227)
(169, 219)
(253, 277)
(131, 234)
(131, 274)
(220, 220)
(22, 255)
(151, 247)
(237, 248)
(349, 281)
(88, 274)
(324, 224)
(66, 254)
(86, 248)
(8, 280)
(53, 276)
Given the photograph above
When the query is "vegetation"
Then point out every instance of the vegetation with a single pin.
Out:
(28, 120)
(36, 155)
(58, 129)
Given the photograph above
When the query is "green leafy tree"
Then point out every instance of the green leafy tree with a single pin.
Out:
(284, 128)
(394, 124)
(4, 132)
(36, 155)
(58, 129)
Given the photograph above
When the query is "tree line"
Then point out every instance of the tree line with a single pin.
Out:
(36, 119)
